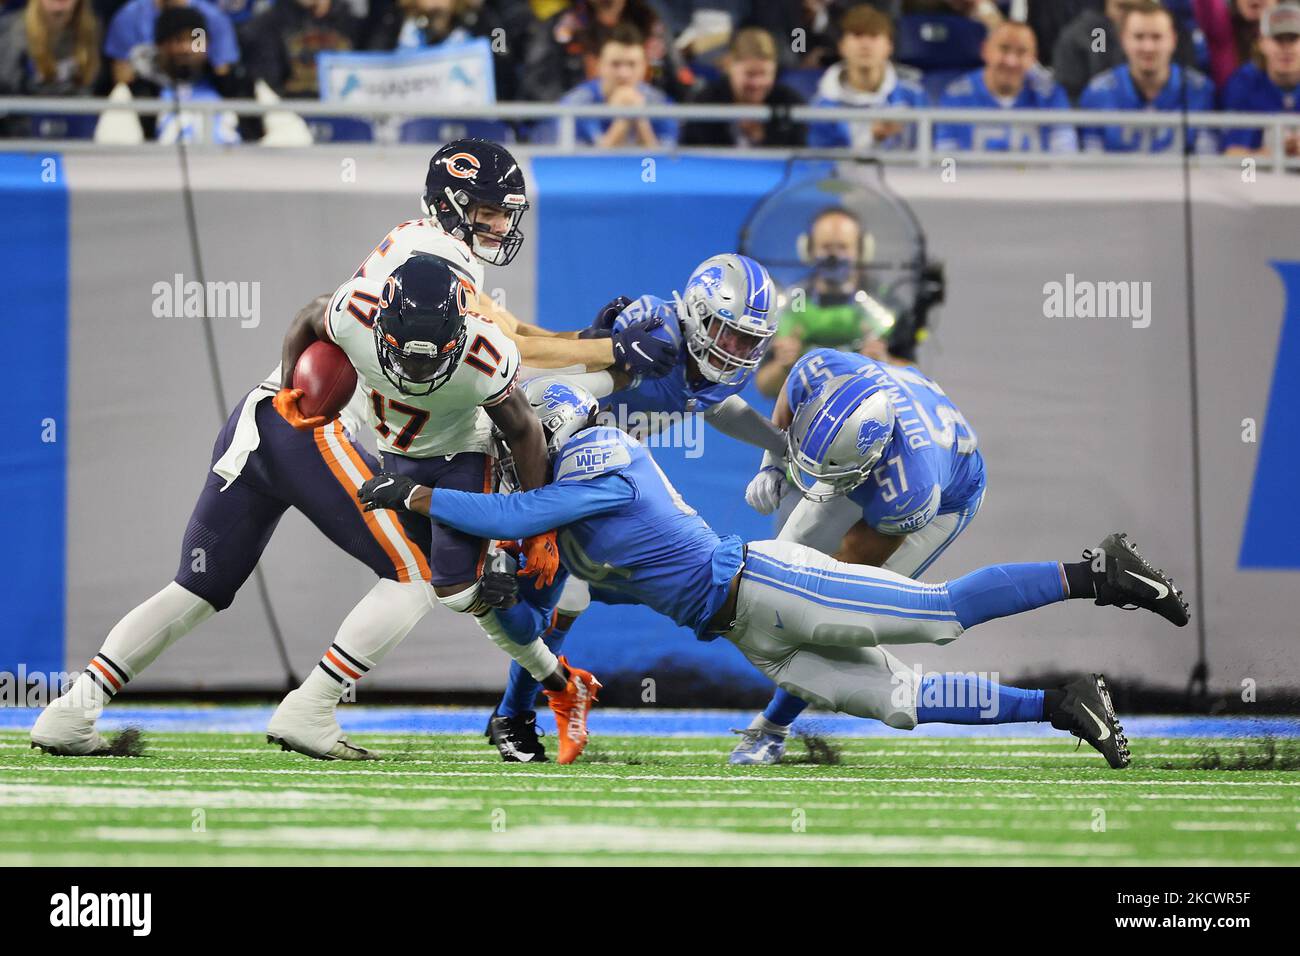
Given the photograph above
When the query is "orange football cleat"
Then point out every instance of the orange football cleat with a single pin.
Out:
(571, 707)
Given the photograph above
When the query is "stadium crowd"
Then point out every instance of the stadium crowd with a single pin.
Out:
(1236, 55)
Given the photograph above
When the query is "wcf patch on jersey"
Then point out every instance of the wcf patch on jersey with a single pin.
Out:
(589, 461)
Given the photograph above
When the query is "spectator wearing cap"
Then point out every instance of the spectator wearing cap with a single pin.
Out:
(563, 51)
(50, 49)
(865, 78)
(1232, 32)
(179, 70)
(131, 34)
(1010, 80)
(620, 81)
(1272, 88)
(418, 24)
(281, 44)
(1150, 80)
(749, 79)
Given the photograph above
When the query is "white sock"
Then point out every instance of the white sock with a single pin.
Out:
(379, 622)
(536, 658)
(136, 641)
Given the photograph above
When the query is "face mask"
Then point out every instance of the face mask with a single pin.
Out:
(833, 270)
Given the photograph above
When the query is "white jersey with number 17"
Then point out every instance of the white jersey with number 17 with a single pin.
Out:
(448, 420)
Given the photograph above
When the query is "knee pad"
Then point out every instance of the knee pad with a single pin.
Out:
(575, 598)
(463, 602)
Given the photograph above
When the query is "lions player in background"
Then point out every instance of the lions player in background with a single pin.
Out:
(897, 509)
(723, 323)
(814, 625)
(1150, 80)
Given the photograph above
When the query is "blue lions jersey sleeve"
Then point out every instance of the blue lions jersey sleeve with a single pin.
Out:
(673, 392)
(652, 549)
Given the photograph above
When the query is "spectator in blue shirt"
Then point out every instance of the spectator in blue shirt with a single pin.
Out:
(1273, 89)
(865, 77)
(621, 81)
(1011, 79)
(1149, 81)
(131, 30)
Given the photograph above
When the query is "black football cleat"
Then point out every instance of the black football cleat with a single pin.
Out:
(1126, 579)
(1088, 713)
(516, 738)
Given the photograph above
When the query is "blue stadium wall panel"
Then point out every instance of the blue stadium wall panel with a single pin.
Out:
(1272, 537)
(33, 459)
(693, 208)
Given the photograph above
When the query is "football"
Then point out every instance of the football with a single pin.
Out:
(327, 379)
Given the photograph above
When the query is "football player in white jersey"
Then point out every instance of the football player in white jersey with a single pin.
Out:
(317, 466)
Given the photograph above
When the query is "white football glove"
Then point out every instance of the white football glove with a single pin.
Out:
(765, 490)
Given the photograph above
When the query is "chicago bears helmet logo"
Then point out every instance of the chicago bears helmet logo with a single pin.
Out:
(872, 431)
(390, 291)
(463, 165)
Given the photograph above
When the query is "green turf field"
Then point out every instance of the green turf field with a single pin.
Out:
(208, 798)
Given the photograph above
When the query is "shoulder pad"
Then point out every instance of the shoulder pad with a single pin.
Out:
(920, 512)
(594, 452)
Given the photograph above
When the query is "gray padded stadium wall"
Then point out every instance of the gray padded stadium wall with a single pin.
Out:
(1045, 395)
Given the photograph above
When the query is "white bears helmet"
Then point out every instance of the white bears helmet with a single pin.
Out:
(728, 313)
(564, 409)
(838, 435)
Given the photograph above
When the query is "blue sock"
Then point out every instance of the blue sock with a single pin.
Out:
(1004, 589)
(521, 687)
(784, 708)
(972, 699)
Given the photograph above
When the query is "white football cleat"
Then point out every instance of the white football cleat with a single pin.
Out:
(757, 747)
(67, 729)
(309, 727)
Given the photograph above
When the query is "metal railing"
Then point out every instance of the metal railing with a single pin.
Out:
(925, 119)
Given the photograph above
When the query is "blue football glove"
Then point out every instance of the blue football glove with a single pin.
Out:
(639, 353)
(602, 326)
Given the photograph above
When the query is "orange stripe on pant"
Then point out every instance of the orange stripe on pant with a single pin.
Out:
(421, 566)
(341, 476)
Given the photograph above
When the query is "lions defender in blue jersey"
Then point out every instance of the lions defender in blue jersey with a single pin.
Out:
(924, 489)
(720, 327)
(816, 626)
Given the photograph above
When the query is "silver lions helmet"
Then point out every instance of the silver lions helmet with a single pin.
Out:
(564, 410)
(838, 435)
(728, 313)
